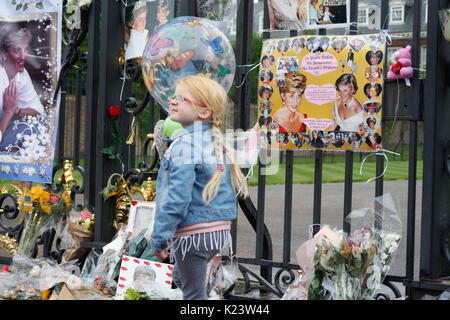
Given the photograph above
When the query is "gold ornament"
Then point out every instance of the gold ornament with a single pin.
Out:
(67, 179)
(9, 243)
(122, 204)
(149, 193)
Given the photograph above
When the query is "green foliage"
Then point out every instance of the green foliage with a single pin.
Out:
(132, 294)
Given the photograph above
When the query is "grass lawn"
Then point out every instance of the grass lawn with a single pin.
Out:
(335, 172)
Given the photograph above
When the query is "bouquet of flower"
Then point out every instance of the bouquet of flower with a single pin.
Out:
(355, 269)
(40, 203)
(353, 266)
(86, 220)
(79, 228)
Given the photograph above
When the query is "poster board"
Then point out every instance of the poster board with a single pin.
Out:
(30, 41)
(322, 92)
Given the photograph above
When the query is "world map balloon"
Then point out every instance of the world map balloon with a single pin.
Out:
(182, 47)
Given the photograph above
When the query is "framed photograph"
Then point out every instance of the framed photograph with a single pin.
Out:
(141, 216)
(145, 18)
(30, 50)
(308, 14)
(133, 269)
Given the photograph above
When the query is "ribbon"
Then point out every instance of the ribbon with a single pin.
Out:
(131, 136)
(382, 153)
(254, 66)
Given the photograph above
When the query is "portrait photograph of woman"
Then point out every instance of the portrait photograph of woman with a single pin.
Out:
(29, 67)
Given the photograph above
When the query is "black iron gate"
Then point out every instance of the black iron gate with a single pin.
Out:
(426, 101)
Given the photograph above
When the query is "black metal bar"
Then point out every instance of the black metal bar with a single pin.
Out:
(77, 131)
(411, 217)
(348, 189)
(243, 57)
(288, 206)
(109, 89)
(92, 103)
(354, 16)
(436, 185)
(261, 210)
(61, 127)
(379, 182)
(317, 207)
(188, 8)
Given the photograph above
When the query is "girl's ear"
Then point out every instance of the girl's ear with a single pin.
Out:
(205, 114)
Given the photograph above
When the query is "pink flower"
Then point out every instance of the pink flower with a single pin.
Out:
(85, 214)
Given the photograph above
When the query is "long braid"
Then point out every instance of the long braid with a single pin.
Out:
(212, 188)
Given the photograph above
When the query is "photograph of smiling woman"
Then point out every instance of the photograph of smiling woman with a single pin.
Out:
(18, 97)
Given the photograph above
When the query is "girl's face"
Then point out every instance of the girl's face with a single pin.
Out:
(182, 109)
(373, 60)
(266, 95)
(373, 92)
(267, 62)
(15, 58)
(372, 125)
(345, 91)
(292, 100)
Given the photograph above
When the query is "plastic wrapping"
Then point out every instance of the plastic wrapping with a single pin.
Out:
(222, 12)
(338, 266)
(152, 290)
(78, 228)
(221, 276)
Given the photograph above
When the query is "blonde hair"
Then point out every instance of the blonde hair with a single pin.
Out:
(212, 94)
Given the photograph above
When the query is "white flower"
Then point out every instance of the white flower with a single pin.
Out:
(84, 3)
(44, 139)
(29, 140)
(30, 171)
(6, 169)
(38, 152)
(25, 155)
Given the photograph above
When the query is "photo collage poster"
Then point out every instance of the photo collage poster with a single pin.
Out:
(308, 14)
(322, 92)
(30, 49)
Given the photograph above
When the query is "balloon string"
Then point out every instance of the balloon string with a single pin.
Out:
(383, 153)
(246, 74)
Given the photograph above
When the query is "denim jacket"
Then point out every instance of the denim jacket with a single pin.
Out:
(186, 168)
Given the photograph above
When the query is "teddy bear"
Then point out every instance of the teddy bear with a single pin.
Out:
(402, 69)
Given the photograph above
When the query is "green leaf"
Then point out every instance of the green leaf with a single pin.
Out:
(14, 2)
(25, 7)
(107, 150)
(112, 156)
(40, 5)
(19, 7)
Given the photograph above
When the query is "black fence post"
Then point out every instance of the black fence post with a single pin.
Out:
(109, 88)
(436, 184)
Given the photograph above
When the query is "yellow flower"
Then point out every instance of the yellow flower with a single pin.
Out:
(45, 196)
(46, 208)
(346, 250)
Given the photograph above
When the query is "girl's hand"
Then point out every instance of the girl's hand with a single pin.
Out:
(10, 97)
(162, 255)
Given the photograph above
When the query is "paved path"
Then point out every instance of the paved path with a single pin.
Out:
(332, 213)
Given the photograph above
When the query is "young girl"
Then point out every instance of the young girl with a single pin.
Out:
(197, 186)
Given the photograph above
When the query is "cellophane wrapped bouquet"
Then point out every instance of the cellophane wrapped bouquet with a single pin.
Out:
(341, 266)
